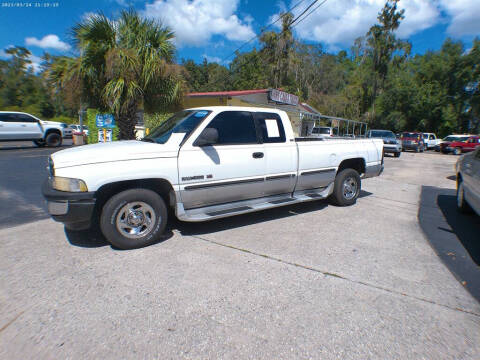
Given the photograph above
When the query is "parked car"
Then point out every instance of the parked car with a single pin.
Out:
(430, 140)
(468, 182)
(204, 163)
(390, 143)
(412, 141)
(19, 126)
(445, 142)
(467, 145)
(76, 128)
(321, 131)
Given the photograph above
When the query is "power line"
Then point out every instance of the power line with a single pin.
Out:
(323, 2)
(303, 12)
(265, 28)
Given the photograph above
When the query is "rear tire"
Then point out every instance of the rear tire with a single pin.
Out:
(134, 218)
(462, 205)
(347, 188)
(53, 139)
(457, 151)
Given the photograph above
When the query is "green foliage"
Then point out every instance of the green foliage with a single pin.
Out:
(92, 126)
(125, 64)
(65, 119)
(128, 64)
(151, 121)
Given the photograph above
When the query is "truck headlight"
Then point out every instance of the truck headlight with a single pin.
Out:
(67, 184)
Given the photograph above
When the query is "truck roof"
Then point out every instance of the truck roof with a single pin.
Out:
(238, 108)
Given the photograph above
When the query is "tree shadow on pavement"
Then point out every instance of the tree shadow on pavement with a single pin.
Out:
(453, 236)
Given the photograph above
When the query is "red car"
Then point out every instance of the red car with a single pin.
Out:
(469, 144)
(412, 141)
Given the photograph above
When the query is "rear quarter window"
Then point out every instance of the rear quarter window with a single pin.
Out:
(270, 126)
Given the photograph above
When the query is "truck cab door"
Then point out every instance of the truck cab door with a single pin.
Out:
(28, 127)
(280, 154)
(231, 169)
(9, 127)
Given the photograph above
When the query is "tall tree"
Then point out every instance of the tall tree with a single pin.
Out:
(124, 65)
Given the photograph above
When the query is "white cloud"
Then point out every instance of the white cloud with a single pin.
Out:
(464, 16)
(196, 21)
(212, 59)
(341, 22)
(48, 42)
(36, 61)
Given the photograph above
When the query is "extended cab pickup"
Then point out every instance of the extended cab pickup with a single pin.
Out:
(204, 163)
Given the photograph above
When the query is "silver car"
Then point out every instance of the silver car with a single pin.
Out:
(468, 182)
(390, 143)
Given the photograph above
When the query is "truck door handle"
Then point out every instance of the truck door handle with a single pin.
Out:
(257, 155)
(23, 125)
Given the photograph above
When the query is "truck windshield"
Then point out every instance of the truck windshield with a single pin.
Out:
(183, 122)
(382, 134)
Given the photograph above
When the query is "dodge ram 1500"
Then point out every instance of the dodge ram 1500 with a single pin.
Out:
(205, 163)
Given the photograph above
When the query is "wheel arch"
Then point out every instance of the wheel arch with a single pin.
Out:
(357, 164)
(51, 130)
(161, 186)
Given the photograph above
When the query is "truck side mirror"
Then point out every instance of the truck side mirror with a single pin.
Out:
(209, 136)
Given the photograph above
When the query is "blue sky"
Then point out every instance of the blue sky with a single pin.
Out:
(215, 28)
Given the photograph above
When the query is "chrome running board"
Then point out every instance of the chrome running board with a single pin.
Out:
(247, 206)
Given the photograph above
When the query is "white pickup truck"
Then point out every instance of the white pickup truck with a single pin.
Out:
(205, 163)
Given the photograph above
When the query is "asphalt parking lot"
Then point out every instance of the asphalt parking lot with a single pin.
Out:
(393, 277)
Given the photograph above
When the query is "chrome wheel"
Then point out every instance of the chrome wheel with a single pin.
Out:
(135, 219)
(350, 188)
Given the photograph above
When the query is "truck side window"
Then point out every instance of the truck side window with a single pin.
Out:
(271, 127)
(432, 137)
(25, 118)
(234, 127)
(8, 117)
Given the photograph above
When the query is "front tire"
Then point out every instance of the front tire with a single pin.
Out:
(53, 139)
(462, 205)
(347, 188)
(457, 151)
(134, 218)
(397, 154)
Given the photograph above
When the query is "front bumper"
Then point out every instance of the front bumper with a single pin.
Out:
(392, 148)
(74, 209)
(412, 146)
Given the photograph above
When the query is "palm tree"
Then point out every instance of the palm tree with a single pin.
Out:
(124, 65)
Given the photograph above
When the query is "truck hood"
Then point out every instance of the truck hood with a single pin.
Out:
(113, 151)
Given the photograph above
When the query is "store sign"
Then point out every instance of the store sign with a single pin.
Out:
(283, 97)
(105, 121)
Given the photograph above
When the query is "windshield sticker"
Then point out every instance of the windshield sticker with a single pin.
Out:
(201, 113)
(272, 128)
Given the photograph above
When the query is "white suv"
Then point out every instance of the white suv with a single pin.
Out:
(19, 126)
